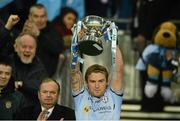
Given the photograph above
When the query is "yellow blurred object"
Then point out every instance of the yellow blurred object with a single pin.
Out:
(166, 35)
(153, 71)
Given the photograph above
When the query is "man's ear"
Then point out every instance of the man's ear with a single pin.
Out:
(59, 95)
(38, 95)
(29, 17)
(15, 47)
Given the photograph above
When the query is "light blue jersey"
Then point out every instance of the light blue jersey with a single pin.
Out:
(87, 107)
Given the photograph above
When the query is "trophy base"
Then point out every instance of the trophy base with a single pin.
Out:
(91, 48)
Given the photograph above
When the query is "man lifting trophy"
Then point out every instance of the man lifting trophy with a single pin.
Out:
(96, 96)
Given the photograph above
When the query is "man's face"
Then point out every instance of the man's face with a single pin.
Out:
(26, 49)
(48, 94)
(97, 84)
(39, 17)
(5, 74)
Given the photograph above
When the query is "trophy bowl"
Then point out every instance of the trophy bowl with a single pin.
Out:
(91, 43)
(93, 22)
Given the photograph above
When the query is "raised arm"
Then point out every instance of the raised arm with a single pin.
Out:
(7, 35)
(116, 77)
(12, 20)
(6, 29)
(76, 79)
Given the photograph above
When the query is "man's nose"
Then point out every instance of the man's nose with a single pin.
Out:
(3, 75)
(27, 49)
(48, 94)
(96, 85)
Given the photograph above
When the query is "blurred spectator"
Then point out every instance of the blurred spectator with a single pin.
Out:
(64, 24)
(50, 43)
(49, 4)
(77, 5)
(47, 109)
(10, 100)
(28, 70)
(139, 11)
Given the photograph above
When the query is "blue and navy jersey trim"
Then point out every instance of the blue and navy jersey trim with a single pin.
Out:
(116, 93)
(78, 94)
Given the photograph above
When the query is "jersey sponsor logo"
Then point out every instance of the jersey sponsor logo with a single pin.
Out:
(86, 109)
(105, 99)
(101, 105)
(101, 108)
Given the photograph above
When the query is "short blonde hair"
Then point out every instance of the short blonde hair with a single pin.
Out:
(96, 69)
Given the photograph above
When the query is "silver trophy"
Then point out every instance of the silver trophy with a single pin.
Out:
(96, 31)
(91, 43)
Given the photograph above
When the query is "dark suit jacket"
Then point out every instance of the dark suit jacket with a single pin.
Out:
(32, 112)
